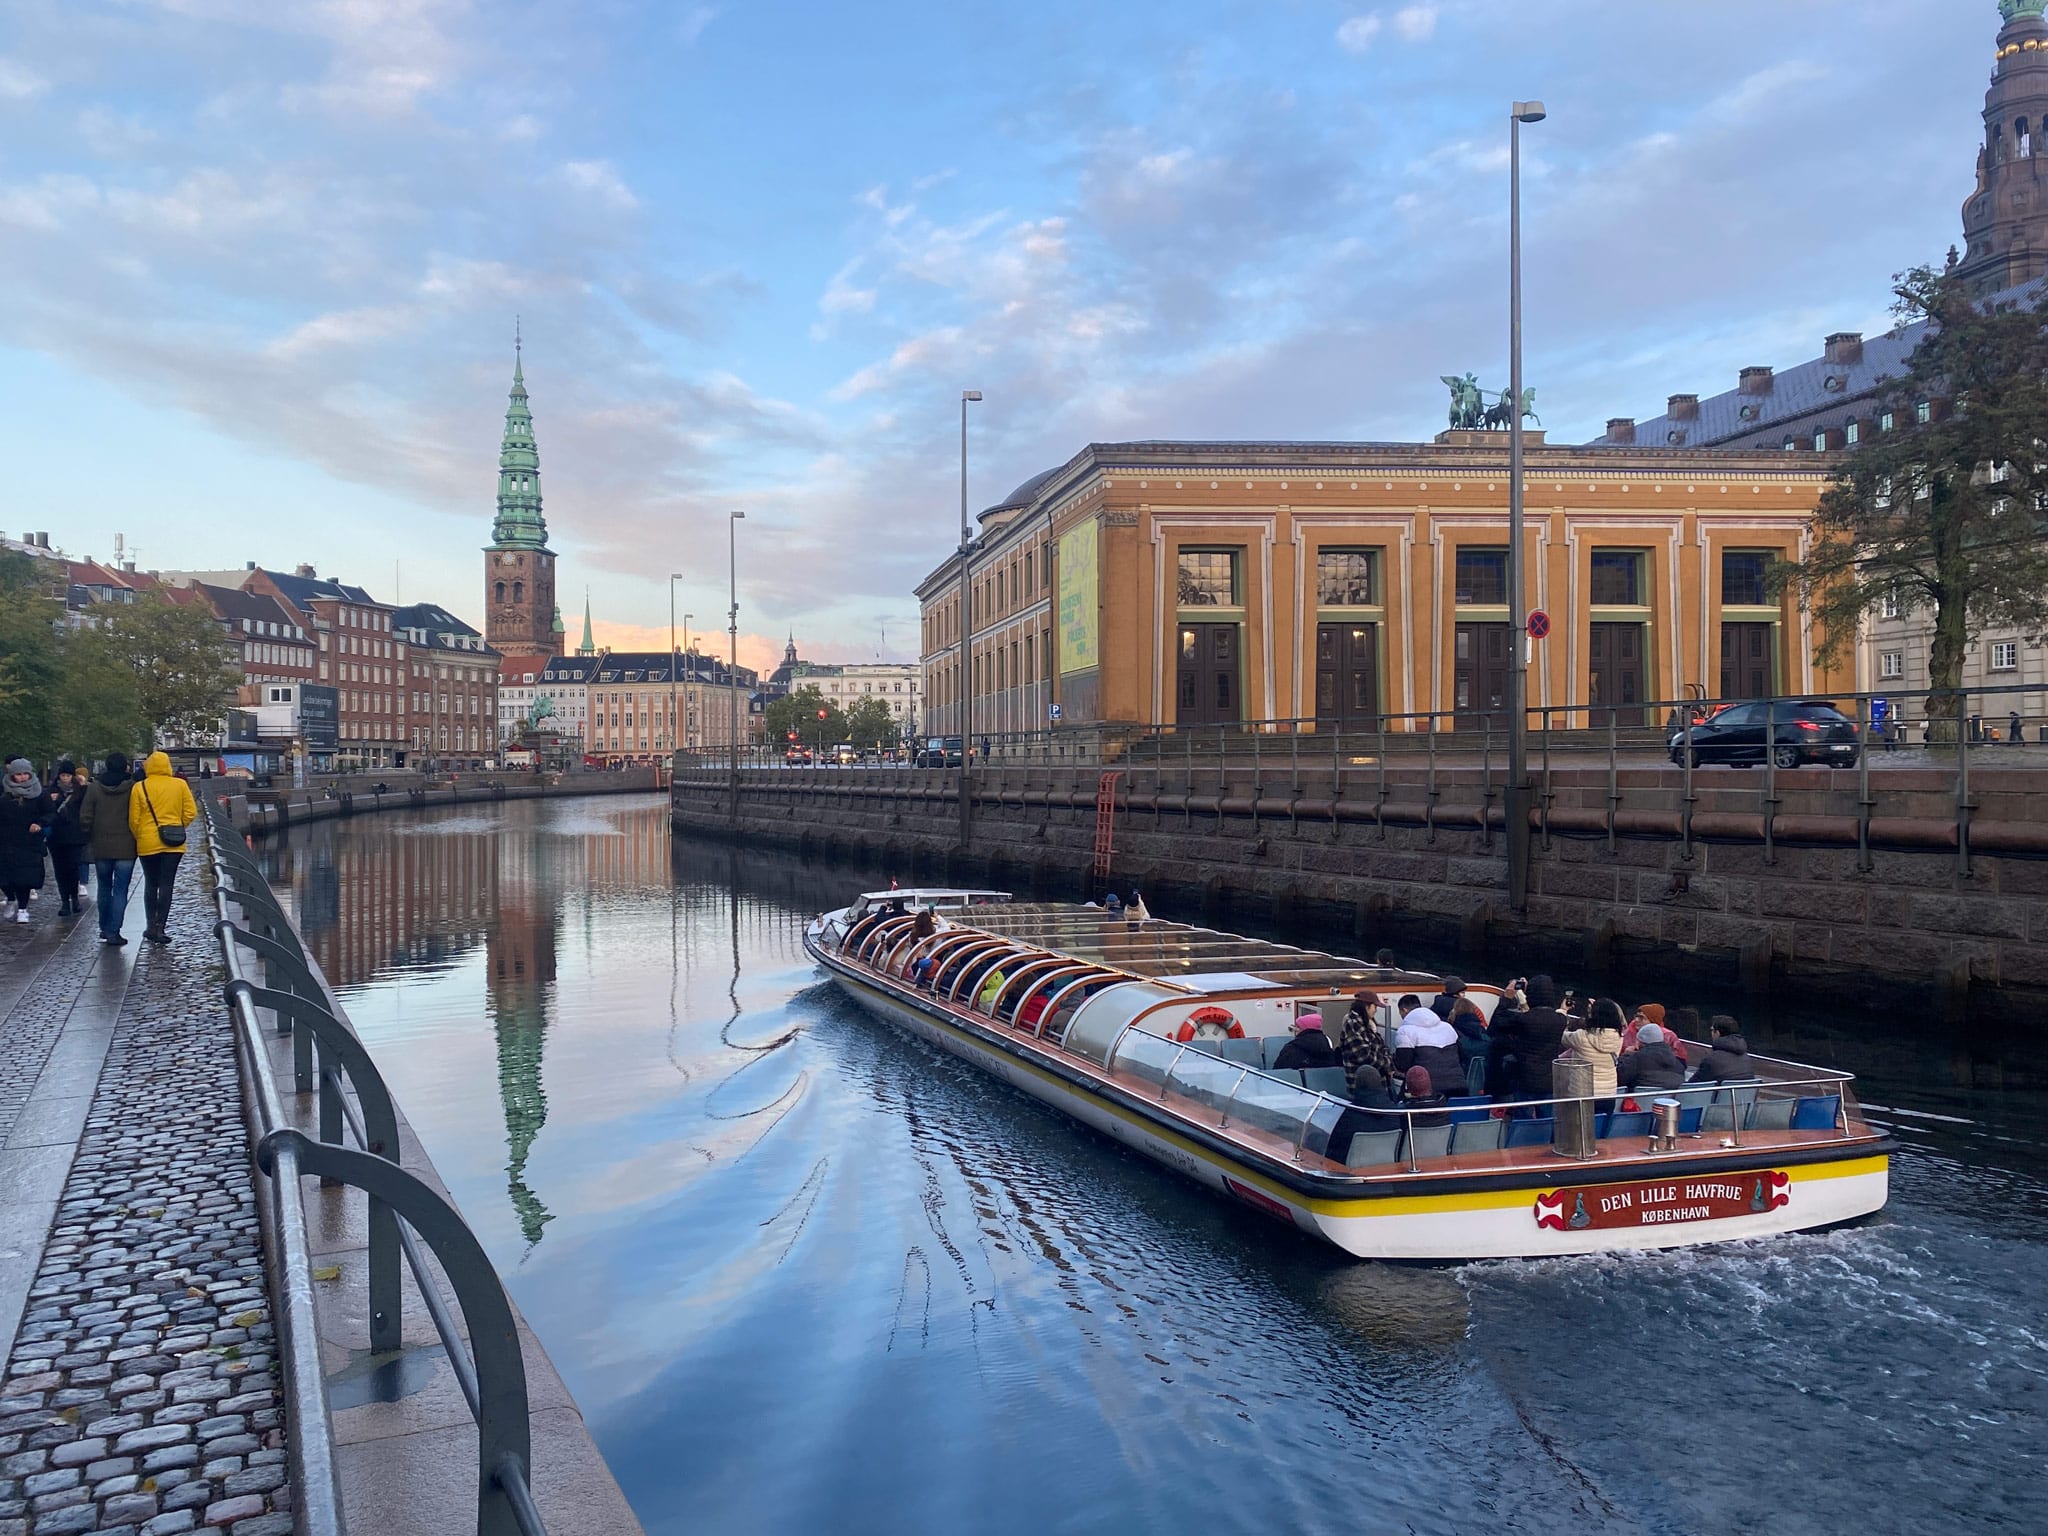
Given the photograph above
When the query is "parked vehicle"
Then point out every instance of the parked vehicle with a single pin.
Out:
(797, 757)
(1800, 731)
(846, 754)
(942, 752)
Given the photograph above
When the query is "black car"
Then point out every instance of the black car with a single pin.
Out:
(942, 752)
(1800, 731)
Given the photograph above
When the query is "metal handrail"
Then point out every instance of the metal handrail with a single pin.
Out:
(491, 1372)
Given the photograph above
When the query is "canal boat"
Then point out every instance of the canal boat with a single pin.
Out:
(1162, 1036)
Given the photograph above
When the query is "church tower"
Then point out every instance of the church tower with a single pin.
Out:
(520, 618)
(2005, 222)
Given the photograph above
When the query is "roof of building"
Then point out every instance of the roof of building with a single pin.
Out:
(234, 603)
(1793, 394)
(654, 667)
(305, 590)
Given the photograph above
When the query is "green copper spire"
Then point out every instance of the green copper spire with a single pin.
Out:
(519, 524)
(2013, 10)
(589, 645)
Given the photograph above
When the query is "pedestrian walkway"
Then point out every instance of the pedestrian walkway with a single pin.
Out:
(140, 1396)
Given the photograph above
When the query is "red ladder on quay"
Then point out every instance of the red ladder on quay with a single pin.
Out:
(1105, 827)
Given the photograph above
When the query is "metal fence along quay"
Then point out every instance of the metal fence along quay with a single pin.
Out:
(330, 1064)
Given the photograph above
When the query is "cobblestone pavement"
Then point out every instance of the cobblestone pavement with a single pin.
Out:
(32, 1025)
(141, 1396)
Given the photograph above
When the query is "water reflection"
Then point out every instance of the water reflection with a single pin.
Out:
(804, 1274)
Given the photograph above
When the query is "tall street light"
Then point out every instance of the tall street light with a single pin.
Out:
(674, 661)
(1517, 799)
(967, 397)
(688, 707)
(732, 678)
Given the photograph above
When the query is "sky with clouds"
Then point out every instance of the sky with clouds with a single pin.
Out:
(261, 261)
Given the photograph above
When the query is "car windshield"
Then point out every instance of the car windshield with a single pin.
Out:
(1817, 712)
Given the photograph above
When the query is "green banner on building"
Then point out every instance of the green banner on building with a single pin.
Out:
(1079, 643)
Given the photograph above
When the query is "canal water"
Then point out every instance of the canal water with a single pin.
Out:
(805, 1275)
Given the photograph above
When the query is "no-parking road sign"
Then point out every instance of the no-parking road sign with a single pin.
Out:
(1539, 625)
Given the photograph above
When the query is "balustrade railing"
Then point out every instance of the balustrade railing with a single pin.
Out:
(330, 1064)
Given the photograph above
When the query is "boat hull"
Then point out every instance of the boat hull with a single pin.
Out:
(1400, 1219)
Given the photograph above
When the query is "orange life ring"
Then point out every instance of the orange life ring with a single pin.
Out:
(1209, 1018)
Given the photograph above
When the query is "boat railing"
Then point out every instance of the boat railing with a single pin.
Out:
(1249, 1098)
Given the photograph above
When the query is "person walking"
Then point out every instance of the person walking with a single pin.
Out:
(67, 837)
(103, 816)
(24, 814)
(159, 811)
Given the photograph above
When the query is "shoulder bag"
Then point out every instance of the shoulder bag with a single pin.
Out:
(170, 837)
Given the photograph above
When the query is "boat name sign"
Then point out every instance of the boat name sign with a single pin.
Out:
(1662, 1202)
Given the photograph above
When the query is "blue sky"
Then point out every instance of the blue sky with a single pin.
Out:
(261, 260)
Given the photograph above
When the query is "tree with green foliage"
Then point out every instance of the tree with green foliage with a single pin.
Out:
(99, 708)
(799, 712)
(870, 724)
(31, 657)
(1948, 510)
(184, 663)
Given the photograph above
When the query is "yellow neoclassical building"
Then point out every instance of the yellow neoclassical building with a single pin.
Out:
(1202, 583)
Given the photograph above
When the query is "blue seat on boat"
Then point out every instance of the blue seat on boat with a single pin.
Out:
(1250, 1053)
(1474, 1107)
(1689, 1117)
(1630, 1123)
(1271, 1046)
(1741, 1095)
(1371, 1148)
(1771, 1115)
(1324, 1080)
(1718, 1117)
(1600, 1119)
(1817, 1114)
(1482, 1135)
(1429, 1141)
(1532, 1133)
(1292, 1075)
(1475, 1076)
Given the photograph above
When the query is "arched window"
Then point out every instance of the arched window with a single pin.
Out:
(501, 592)
(2023, 141)
(518, 591)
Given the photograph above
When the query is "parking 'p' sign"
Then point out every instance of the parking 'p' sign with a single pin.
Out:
(1539, 625)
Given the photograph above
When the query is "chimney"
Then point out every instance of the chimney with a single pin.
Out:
(1846, 348)
(1757, 381)
(307, 572)
(1621, 429)
(1683, 408)
(250, 566)
(42, 541)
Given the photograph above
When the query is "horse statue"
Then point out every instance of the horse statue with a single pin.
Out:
(1468, 405)
(1501, 414)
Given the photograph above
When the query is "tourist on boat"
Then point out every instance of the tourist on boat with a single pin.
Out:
(1521, 1047)
(1646, 1013)
(1728, 1060)
(1370, 1110)
(1426, 1041)
(1362, 1043)
(1653, 1063)
(1470, 1024)
(1135, 910)
(1383, 960)
(1598, 1045)
(1445, 1003)
(992, 989)
(1309, 1048)
(925, 924)
(1429, 1105)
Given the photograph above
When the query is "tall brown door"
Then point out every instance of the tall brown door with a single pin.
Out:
(1615, 674)
(1209, 693)
(1348, 676)
(1748, 670)
(1481, 679)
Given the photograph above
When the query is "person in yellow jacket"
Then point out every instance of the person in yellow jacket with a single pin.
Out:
(160, 808)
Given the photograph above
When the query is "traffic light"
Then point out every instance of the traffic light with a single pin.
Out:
(792, 735)
(822, 714)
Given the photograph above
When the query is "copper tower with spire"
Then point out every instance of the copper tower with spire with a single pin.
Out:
(2005, 221)
(520, 618)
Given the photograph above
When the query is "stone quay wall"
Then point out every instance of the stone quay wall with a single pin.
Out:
(274, 811)
(1892, 880)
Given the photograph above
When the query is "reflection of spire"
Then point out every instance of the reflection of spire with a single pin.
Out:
(521, 951)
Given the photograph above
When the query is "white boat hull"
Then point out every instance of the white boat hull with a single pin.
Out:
(1410, 1223)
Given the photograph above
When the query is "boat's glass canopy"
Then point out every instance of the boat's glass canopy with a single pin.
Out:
(1186, 958)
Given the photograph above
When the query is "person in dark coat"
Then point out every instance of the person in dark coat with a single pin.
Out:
(1470, 1023)
(1521, 1047)
(1310, 1047)
(1445, 1003)
(1370, 1103)
(110, 843)
(1653, 1063)
(24, 814)
(1431, 1108)
(67, 838)
(1728, 1061)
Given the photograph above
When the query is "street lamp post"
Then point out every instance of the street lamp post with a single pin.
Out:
(675, 661)
(689, 708)
(1516, 804)
(967, 396)
(732, 678)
